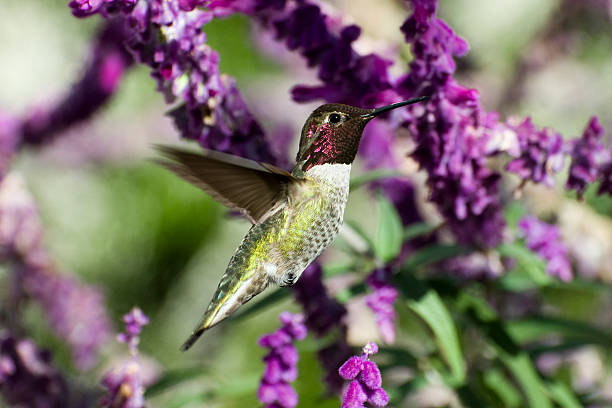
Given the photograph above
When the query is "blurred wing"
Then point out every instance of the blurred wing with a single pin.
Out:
(238, 183)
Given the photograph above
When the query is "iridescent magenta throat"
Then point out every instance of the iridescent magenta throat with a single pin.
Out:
(323, 149)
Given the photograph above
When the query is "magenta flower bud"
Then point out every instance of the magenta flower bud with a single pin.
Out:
(366, 384)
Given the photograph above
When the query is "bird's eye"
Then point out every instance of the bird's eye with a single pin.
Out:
(334, 118)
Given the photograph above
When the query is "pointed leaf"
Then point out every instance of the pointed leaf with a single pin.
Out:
(426, 303)
(389, 233)
(433, 253)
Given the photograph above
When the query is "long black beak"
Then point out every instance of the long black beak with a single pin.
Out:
(387, 108)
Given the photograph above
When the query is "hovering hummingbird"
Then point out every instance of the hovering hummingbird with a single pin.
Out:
(295, 215)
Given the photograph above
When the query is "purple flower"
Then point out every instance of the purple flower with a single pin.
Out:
(125, 388)
(366, 381)
(545, 241)
(75, 310)
(27, 378)
(134, 321)
(585, 154)
(281, 362)
(347, 76)
(542, 153)
(451, 130)
(381, 302)
(168, 37)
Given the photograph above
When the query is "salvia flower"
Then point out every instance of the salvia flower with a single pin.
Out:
(75, 310)
(542, 153)
(365, 380)
(545, 240)
(451, 130)
(381, 301)
(167, 36)
(347, 76)
(27, 378)
(281, 362)
(125, 388)
(586, 153)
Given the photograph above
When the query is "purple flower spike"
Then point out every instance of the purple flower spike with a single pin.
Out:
(27, 378)
(281, 362)
(125, 384)
(75, 311)
(542, 153)
(366, 384)
(545, 241)
(451, 130)
(586, 154)
(134, 321)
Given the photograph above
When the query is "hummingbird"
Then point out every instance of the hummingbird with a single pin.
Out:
(295, 215)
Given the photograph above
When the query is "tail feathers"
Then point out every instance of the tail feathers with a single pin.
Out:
(193, 338)
(230, 295)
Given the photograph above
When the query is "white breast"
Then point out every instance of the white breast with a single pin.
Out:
(338, 175)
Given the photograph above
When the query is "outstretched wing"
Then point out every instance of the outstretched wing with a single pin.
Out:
(238, 183)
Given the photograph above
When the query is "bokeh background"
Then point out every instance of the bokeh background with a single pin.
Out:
(117, 221)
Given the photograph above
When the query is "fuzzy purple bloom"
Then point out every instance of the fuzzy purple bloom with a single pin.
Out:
(381, 302)
(168, 37)
(27, 378)
(585, 154)
(451, 130)
(347, 76)
(544, 239)
(366, 381)
(542, 153)
(125, 388)
(75, 310)
(134, 322)
(281, 362)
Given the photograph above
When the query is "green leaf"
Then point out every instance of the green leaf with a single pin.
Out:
(499, 384)
(526, 376)
(272, 299)
(357, 229)
(509, 353)
(337, 268)
(433, 253)
(194, 399)
(389, 233)
(528, 262)
(534, 327)
(373, 175)
(417, 229)
(563, 395)
(428, 305)
(171, 378)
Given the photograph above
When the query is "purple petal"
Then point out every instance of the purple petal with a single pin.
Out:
(354, 396)
(351, 368)
(370, 375)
